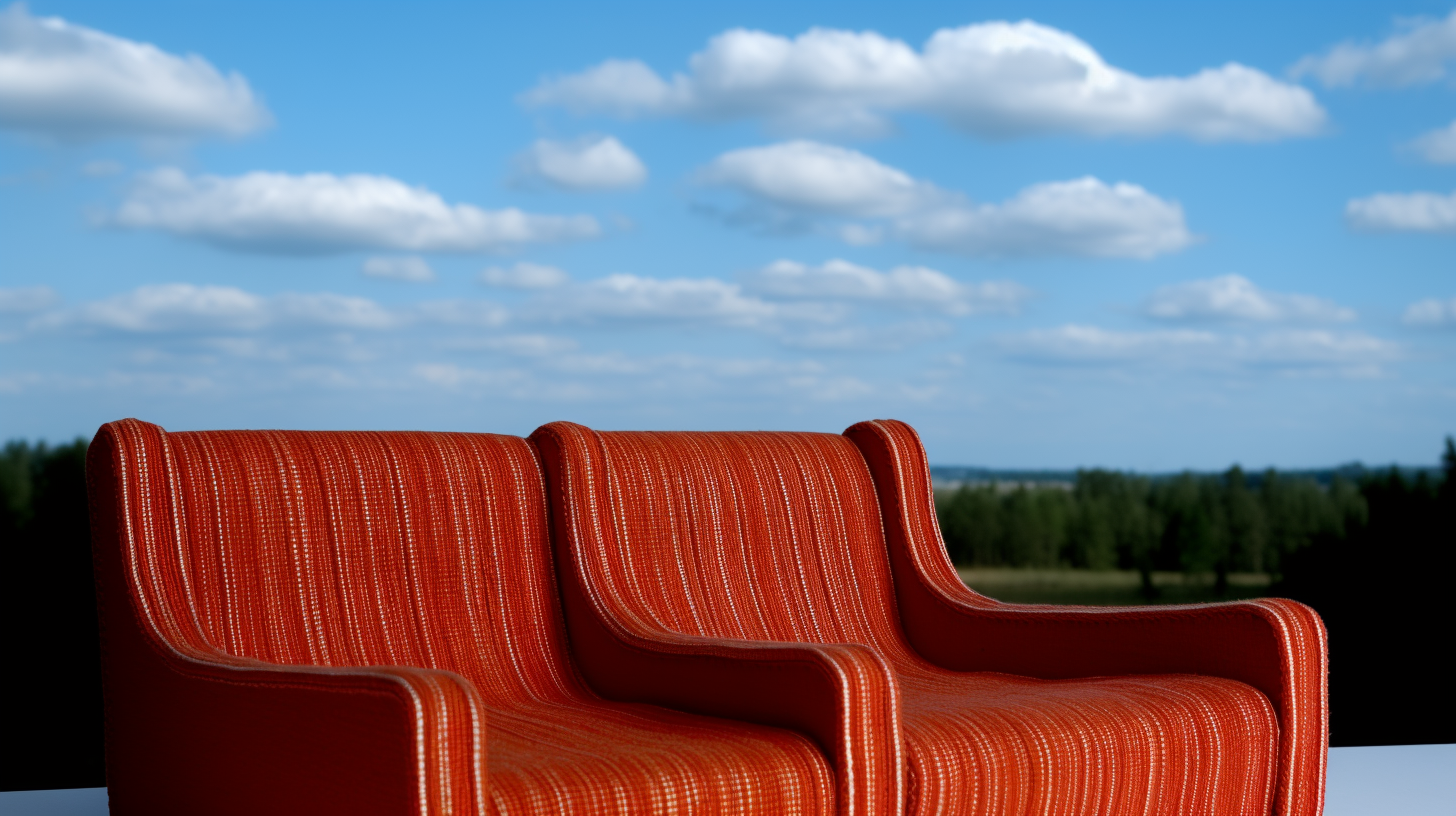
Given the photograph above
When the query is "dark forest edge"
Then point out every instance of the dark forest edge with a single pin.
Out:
(957, 475)
(1191, 523)
(1371, 551)
(49, 609)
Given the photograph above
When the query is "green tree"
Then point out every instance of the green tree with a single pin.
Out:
(1248, 531)
(1296, 511)
(970, 520)
(1035, 526)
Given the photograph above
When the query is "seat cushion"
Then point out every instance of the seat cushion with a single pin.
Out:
(986, 743)
(624, 759)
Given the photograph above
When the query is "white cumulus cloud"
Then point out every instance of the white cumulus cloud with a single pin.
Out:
(1353, 354)
(796, 304)
(995, 79)
(185, 308)
(882, 337)
(615, 377)
(407, 268)
(458, 312)
(321, 212)
(912, 286)
(67, 81)
(1080, 343)
(26, 299)
(624, 88)
(624, 297)
(1403, 212)
(820, 178)
(524, 275)
(172, 307)
(528, 345)
(1234, 298)
(1430, 312)
(1437, 146)
(1350, 353)
(589, 164)
(1420, 52)
(1083, 216)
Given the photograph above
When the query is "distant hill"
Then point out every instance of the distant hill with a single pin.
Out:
(952, 476)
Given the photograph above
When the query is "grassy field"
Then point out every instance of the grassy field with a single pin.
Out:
(1107, 587)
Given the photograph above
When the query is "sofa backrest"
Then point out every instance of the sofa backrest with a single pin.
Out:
(763, 536)
(346, 549)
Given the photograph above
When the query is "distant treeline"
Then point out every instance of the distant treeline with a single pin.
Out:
(1189, 523)
(956, 475)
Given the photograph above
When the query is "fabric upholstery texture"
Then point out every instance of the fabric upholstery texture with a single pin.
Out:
(1275, 645)
(690, 562)
(368, 623)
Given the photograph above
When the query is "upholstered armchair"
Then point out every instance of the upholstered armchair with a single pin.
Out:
(367, 623)
(799, 579)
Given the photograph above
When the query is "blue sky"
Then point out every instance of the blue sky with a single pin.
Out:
(1135, 235)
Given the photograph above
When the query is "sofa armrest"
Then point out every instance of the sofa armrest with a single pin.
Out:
(186, 735)
(1275, 645)
(843, 695)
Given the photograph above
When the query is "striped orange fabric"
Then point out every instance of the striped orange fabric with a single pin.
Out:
(1275, 645)
(675, 539)
(420, 560)
(713, 628)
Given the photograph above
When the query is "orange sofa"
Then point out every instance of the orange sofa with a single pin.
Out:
(372, 623)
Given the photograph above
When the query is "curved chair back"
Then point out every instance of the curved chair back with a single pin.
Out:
(347, 549)
(759, 536)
